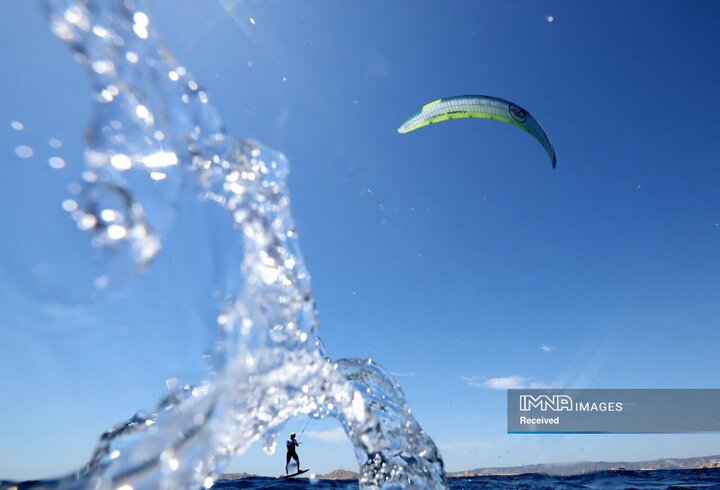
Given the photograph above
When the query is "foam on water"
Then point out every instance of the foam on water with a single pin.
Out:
(155, 141)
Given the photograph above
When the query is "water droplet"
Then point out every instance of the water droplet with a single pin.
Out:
(121, 162)
(143, 113)
(141, 25)
(117, 232)
(56, 162)
(101, 282)
(69, 205)
(24, 151)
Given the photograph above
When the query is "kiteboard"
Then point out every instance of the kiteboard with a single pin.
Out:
(294, 474)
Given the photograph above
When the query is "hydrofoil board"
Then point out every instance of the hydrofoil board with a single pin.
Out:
(294, 474)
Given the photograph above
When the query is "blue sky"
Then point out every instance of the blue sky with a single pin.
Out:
(454, 256)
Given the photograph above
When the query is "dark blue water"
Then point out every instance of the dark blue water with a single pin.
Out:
(668, 479)
(675, 479)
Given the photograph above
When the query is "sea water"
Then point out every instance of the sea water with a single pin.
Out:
(155, 145)
(607, 480)
(666, 479)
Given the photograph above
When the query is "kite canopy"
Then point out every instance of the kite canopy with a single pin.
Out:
(484, 107)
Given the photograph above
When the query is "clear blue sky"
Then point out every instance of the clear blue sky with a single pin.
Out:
(454, 256)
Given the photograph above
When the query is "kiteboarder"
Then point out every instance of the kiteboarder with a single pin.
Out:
(291, 453)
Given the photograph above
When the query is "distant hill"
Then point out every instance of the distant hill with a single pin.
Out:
(339, 475)
(584, 467)
(236, 476)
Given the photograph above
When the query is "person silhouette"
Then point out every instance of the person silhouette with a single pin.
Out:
(291, 444)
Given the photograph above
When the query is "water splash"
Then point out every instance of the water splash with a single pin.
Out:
(155, 141)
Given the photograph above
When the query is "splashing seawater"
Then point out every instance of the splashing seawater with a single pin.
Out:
(155, 141)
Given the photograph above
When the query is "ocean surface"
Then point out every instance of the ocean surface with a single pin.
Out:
(670, 479)
(677, 479)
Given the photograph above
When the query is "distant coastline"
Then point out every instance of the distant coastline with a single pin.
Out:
(553, 469)
(585, 467)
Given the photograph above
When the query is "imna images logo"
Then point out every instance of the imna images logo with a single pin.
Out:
(555, 403)
(565, 403)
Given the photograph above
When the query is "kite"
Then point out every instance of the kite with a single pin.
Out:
(480, 106)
